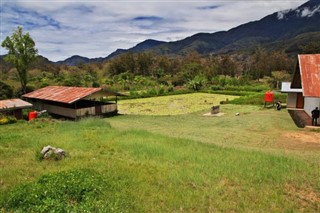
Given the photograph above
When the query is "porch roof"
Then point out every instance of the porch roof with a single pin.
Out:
(10, 104)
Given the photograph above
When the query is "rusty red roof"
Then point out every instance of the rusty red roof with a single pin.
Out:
(310, 74)
(61, 93)
(13, 104)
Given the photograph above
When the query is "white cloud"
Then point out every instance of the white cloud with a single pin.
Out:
(306, 12)
(62, 28)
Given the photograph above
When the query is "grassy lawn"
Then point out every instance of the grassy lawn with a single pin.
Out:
(256, 128)
(171, 163)
(172, 105)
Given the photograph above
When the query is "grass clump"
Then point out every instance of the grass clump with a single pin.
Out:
(80, 190)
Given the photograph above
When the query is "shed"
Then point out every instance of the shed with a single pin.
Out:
(304, 89)
(14, 107)
(74, 102)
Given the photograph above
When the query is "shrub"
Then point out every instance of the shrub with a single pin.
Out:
(216, 87)
(152, 92)
(161, 90)
(197, 83)
(134, 93)
(6, 119)
(170, 88)
(80, 190)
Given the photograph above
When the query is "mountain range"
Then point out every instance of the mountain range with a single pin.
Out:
(284, 30)
(280, 30)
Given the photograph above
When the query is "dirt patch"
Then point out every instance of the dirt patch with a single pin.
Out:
(304, 197)
(301, 140)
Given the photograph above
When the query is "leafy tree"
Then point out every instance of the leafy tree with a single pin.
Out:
(144, 63)
(278, 77)
(259, 63)
(21, 53)
(197, 83)
(190, 70)
(227, 67)
(264, 62)
(311, 48)
(6, 91)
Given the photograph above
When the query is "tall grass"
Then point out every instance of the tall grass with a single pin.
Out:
(141, 171)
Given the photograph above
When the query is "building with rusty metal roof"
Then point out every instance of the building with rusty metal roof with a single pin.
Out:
(74, 102)
(14, 107)
(307, 79)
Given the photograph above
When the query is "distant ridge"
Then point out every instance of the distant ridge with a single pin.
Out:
(283, 30)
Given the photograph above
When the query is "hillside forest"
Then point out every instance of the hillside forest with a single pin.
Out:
(133, 72)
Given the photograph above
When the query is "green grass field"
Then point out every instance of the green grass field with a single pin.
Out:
(163, 163)
(172, 105)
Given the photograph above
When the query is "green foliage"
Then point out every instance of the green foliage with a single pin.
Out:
(197, 83)
(6, 91)
(242, 83)
(38, 155)
(278, 77)
(7, 119)
(226, 66)
(21, 53)
(264, 62)
(311, 48)
(257, 99)
(68, 191)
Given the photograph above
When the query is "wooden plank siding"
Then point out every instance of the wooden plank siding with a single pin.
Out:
(80, 112)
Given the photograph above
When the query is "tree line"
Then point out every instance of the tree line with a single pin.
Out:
(140, 70)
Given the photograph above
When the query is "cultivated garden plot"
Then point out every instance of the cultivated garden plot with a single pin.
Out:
(172, 105)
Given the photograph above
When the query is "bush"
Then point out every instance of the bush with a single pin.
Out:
(81, 190)
(257, 99)
(216, 87)
(134, 93)
(161, 90)
(6, 119)
(170, 88)
(197, 83)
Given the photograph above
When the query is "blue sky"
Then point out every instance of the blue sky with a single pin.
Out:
(62, 28)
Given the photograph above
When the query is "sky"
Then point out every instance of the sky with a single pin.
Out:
(96, 28)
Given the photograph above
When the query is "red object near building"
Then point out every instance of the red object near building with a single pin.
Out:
(32, 115)
(268, 97)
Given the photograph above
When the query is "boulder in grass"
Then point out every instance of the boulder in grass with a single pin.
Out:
(50, 152)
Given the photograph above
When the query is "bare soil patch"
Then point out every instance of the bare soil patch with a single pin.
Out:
(301, 140)
(305, 197)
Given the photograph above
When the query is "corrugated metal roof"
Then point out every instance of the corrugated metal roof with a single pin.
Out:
(310, 74)
(61, 94)
(286, 87)
(13, 104)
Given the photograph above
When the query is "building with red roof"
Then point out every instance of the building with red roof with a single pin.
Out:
(305, 88)
(74, 102)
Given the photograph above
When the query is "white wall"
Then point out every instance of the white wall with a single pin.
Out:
(310, 104)
(291, 100)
